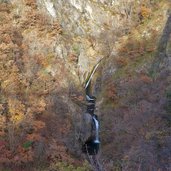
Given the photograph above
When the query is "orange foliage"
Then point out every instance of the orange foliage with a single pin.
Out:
(2, 133)
(121, 61)
(145, 12)
(34, 137)
(1, 107)
(111, 92)
(24, 155)
(16, 110)
(24, 78)
(5, 7)
(73, 58)
(21, 156)
(57, 152)
(80, 98)
(77, 97)
(31, 3)
(151, 49)
(38, 125)
(6, 38)
(38, 104)
(146, 79)
(36, 19)
(56, 28)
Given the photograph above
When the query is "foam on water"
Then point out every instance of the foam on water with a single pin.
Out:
(97, 130)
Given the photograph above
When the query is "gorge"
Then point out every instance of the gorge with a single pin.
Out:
(50, 51)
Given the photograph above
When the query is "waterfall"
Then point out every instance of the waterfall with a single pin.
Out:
(91, 145)
(90, 98)
(96, 130)
(94, 70)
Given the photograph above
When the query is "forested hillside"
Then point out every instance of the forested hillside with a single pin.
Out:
(48, 50)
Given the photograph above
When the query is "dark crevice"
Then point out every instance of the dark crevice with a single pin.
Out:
(161, 54)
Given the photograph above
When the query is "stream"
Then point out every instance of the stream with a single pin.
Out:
(94, 144)
(91, 145)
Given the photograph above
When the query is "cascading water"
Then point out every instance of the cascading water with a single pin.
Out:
(96, 122)
(88, 82)
(92, 73)
(91, 145)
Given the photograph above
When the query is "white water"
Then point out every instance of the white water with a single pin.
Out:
(88, 98)
(92, 74)
(97, 130)
(96, 122)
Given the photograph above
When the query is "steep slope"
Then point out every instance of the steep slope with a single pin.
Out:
(134, 99)
(40, 92)
(47, 50)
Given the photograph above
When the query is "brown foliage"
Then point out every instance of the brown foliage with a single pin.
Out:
(31, 3)
(73, 58)
(111, 92)
(121, 61)
(56, 28)
(34, 137)
(40, 21)
(23, 156)
(145, 12)
(5, 7)
(146, 79)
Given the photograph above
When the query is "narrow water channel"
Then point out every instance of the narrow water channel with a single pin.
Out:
(91, 145)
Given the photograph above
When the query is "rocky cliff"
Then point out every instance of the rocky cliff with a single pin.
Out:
(48, 49)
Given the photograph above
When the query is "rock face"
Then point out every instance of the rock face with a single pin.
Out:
(47, 50)
(92, 27)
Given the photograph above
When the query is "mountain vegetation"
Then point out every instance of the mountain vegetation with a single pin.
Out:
(47, 51)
